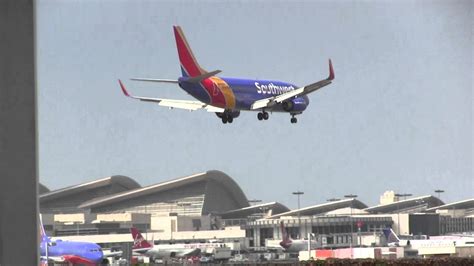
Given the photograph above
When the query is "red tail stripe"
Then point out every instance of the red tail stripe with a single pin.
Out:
(186, 56)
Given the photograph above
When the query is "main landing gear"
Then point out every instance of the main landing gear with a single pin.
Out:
(263, 115)
(227, 118)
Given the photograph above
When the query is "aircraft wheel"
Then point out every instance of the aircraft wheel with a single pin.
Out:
(230, 119)
(265, 116)
(294, 120)
(260, 116)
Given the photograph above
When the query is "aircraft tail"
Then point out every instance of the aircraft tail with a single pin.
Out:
(390, 235)
(44, 237)
(138, 241)
(189, 65)
(285, 238)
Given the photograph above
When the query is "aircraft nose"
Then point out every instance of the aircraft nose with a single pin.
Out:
(99, 256)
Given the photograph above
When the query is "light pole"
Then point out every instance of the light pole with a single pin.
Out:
(253, 201)
(352, 197)
(439, 191)
(298, 194)
(333, 199)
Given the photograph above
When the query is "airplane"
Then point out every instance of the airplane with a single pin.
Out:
(58, 251)
(292, 245)
(394, 240)
(228, 96)
(143, 247)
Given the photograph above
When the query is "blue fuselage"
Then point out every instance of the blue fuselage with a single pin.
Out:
(240, 94)
(84, 251)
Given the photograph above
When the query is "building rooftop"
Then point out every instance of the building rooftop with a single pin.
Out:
(463, 204)
(270, 207)
(119, 181)
(231, 188)
(415, 204)
(323, 208)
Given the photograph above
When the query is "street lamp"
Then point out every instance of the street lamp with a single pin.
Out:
(333, 199)
(352, 197)
(254, 201)
(298, 194)
(439, 191)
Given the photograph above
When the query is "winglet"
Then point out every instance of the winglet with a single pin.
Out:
(123, 89)
(331, 71)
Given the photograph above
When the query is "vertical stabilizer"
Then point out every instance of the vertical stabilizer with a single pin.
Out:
(138, 241)
(189, 65)
(285, 238)
(43, 236)
(390, 235)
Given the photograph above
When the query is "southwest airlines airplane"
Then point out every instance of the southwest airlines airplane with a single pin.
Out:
(228, 96)
(72, 252)
(58, 251)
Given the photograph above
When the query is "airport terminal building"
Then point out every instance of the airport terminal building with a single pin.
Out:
(211, 205)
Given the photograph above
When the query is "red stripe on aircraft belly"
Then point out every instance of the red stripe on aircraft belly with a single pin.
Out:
(77, 260)
(217, 98)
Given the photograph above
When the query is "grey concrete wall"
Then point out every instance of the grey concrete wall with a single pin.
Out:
(18, 152)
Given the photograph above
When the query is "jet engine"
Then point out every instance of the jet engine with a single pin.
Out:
(294, 105)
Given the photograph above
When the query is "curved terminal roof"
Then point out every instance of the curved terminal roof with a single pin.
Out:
(42, 189)
(412, 204)
(275, 207)
(323, 208)
(458, 205)
(231, 187)
(124, 182)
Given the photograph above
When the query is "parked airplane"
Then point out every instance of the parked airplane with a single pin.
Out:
(228, 96)
(292, 245)
(394, 240)
(141, 246)
(58, 251)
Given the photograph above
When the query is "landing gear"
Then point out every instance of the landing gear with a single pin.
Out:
(227, 117)
(293, 119)
(263, 115)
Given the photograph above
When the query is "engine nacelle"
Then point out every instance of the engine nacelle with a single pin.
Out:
(294, 105)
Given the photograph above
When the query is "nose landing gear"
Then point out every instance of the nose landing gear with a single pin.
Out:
(293, 119)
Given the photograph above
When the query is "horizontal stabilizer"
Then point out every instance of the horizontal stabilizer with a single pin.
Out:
(156, 80)
(199, 78)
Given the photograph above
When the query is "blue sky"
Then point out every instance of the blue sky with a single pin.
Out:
(397, 117)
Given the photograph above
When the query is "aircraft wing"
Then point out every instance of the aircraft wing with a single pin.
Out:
(179, 104)
(108, 253)
(271, 101)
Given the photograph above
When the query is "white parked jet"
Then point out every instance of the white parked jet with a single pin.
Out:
(143, 247)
